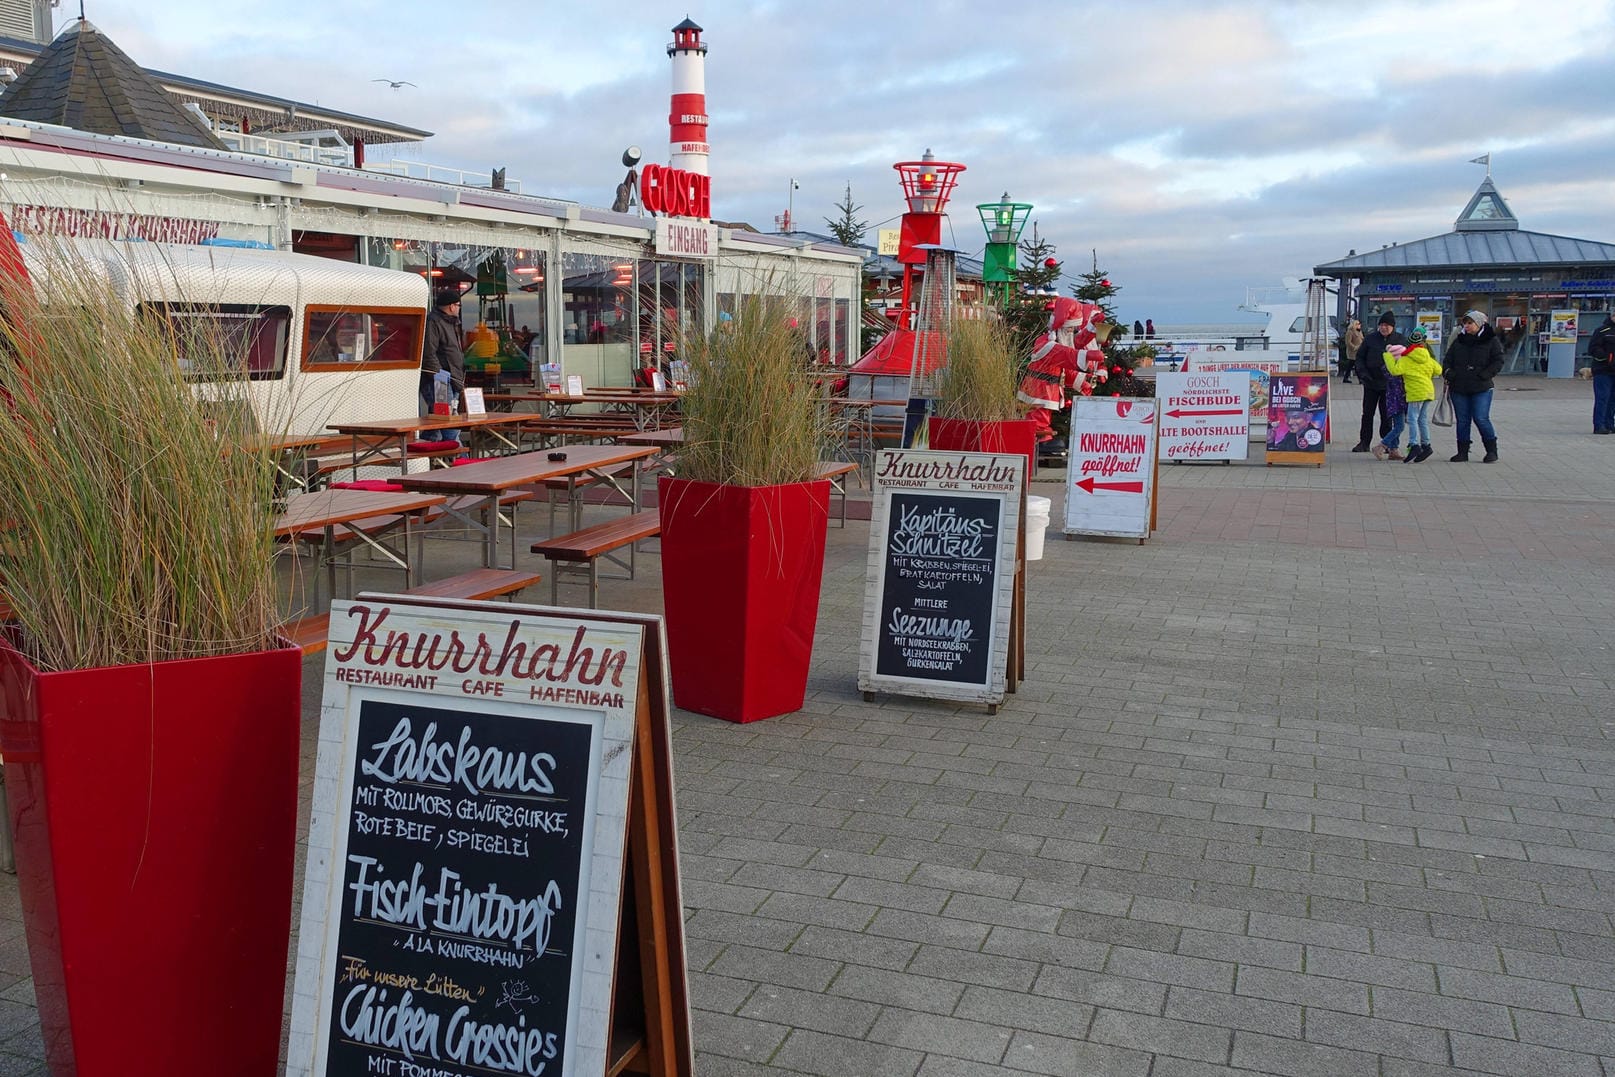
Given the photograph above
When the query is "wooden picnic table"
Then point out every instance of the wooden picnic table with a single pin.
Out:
(388, 440)
(649, 407)
(326, 510)
(481, 484)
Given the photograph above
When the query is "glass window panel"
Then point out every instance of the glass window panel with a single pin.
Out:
(378, 338)
(240, 338)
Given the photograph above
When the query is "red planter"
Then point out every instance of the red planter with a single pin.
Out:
(740, 584)
(1017, 436)
(155, 813)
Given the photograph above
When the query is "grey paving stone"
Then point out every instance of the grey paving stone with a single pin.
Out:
(1234, 1011)
(1033, 1052)
(736, 1037)
(973, 1040)
(854, 947)
(792, 968)
(1508, 990)
(1022, 1010)
(1254, 1051)
(1508, 1057)
(907, 990)
(1318, 991)
(1170, 968)
(1161, 1035)
(1101, 989)
(813, 1010)
(1441, 1011)
(835, 1056)
(1377, 1036)
(1241, 949)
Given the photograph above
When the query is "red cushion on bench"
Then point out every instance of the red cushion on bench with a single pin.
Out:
(432, 446)
(369, 484)
(460, 461)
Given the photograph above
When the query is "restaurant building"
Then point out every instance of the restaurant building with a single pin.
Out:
(1486, 263)
(91, 144)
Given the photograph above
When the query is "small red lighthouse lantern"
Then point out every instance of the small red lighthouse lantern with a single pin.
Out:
(927, 185)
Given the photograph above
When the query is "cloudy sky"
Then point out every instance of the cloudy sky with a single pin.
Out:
(1199, 147)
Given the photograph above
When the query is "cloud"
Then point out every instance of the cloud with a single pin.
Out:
(1199, 147)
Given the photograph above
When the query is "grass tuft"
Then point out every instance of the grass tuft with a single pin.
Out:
(751, 413)
(134, 528)
(981, 374)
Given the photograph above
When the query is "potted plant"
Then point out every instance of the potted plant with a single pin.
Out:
(148, 712)
(976, 408)
(743, 523)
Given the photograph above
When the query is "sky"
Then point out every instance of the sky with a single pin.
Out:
(1194, 148)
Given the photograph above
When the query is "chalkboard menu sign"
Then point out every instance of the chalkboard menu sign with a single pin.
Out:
(942, 555)
(467, 843)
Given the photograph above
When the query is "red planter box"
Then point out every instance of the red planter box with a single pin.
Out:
(1017, 436)
(155, 813)
(740, 584)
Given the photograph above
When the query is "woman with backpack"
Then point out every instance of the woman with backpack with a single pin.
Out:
(1602, 348)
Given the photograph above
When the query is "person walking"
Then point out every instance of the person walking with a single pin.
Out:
(442, 359)
(1602, 348)
(1473, 361)
(1349, 343)
(1418, 369)
(1371, 373)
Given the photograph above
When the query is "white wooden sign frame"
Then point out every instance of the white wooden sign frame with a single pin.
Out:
(550, 684)
(1110, 469)
(981, 478)
(1204, 415)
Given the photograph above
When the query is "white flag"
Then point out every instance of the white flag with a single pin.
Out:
(1483, 159)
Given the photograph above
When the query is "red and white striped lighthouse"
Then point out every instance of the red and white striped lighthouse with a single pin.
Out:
(687, 118)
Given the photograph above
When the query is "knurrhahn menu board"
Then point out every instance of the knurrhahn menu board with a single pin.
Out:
(942, 549)
(467, 843)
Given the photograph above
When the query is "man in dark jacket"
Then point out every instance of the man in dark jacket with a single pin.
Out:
(1473, 360)
(1374, 378)
(442, 360)
(1602, 348)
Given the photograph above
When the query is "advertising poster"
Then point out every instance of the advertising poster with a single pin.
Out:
(941, 576)
(1204, 415)
(1297, 418)
(1258, 368)
(1110, 482)
(1430, 322)
(1562, 327)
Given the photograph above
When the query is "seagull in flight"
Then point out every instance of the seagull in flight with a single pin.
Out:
(393, 84)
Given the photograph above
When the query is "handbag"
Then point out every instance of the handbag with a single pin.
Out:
(1443, 412)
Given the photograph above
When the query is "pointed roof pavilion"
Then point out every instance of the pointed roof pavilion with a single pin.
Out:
(1485, 234)
(84, 81)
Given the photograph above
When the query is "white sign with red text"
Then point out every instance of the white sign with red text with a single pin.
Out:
(1110, 484)
(1204, 415)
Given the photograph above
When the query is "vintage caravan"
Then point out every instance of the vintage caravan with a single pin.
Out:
(322, 341)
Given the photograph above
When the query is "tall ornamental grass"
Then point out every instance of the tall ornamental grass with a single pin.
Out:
(752, 416)
(981, 375)
(134, 527)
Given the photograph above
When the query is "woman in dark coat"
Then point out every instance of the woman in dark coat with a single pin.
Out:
(1471, 363)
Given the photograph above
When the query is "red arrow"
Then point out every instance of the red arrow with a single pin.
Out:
(1179, 413)
(1089, 486)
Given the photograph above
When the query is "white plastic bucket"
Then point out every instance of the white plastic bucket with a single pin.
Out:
(1037, 522)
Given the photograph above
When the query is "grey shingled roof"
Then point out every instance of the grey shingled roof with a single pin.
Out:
(84, 81)
(1478, 249)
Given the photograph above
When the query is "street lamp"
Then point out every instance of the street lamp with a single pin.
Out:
(1004, 221)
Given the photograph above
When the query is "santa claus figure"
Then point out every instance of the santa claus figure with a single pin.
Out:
(1068, 356)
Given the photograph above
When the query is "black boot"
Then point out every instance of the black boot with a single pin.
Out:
(1491, 451)
(1413, 456)
(1361, 446)
(1462, 454)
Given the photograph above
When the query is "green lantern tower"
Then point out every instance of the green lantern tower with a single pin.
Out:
(1003, 220)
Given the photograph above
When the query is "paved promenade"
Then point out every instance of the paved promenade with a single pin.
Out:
(1318, 781)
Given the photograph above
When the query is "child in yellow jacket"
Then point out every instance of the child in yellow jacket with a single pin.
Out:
(1418, 369)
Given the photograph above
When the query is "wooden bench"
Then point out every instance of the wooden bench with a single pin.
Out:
(310, 633)
(837, 471)
(321, 467)
(596, 541)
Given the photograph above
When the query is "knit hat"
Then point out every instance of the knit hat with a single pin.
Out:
(1388, 319)
(1477, 317)
(1417, 337)
(446, 297)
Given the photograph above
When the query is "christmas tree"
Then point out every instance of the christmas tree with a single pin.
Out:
(1027, 310)
(1097, 288)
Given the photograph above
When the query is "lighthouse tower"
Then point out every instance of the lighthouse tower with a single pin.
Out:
(687, 118)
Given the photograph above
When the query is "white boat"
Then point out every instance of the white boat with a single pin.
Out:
(1284, 308)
